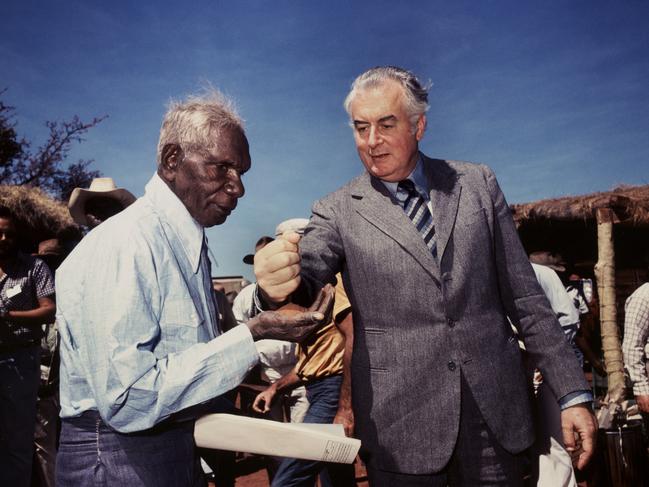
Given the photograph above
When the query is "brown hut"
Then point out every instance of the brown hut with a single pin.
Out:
(38, 216)
(568, 226)
(604, 236)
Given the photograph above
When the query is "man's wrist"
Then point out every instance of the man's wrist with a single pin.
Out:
(578, 398)
(344, 410)
(262, 302)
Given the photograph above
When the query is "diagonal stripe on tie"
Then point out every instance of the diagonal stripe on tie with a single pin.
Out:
(417, 210)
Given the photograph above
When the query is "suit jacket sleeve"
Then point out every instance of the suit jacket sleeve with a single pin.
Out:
(527, 305)
(321, 251)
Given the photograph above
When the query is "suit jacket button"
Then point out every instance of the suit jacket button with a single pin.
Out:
(451, 323)
(451, 366)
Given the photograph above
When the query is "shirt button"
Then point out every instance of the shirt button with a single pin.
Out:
(451, 323)
(451, 366)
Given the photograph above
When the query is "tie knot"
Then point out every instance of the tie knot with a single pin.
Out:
(408, 186)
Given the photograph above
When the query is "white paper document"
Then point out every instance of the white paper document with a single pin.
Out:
(326, 443)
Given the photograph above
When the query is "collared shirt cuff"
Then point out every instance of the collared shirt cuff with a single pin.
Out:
(258, 305)
(239, 336)
(574, 398)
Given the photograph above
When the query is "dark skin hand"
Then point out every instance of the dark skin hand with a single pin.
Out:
(294, 323)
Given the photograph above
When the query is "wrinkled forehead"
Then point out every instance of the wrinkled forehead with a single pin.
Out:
(223, 140)
(378, 101)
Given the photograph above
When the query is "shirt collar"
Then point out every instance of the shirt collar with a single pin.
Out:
(190, 233)
(417, 176)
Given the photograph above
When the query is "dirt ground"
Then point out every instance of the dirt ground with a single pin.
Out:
(251, 473)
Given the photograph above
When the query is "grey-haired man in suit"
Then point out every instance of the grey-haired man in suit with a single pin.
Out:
(439, 391)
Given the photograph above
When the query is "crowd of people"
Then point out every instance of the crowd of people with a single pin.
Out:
(405, 309)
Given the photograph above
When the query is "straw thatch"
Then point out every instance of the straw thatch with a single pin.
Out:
(630, 204)
(38, 216)
(568, 226)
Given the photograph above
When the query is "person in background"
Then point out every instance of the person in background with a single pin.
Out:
(635, 346)
(276, 357)
(560, 301)
(588, 337)
(26, 303)
(580, 330)
(323, 368)
(92, 206)
(46, 437)
(552, 466)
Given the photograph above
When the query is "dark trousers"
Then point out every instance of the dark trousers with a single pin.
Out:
(93, 454)
(19, 378)
(323, 398)
(46, 439)
(478, 459)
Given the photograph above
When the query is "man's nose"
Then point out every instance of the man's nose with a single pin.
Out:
(234, 186)
(373, 139)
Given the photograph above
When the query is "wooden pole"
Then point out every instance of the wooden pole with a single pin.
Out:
(605, 274)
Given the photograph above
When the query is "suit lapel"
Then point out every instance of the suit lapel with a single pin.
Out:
(373, 202)
(445, 192)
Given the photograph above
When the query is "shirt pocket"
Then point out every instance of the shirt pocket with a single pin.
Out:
(180, 325)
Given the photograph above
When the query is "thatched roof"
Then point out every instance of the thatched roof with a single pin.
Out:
(630, 203)
(38, 216)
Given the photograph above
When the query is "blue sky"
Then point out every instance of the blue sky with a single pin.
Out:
(553, 95)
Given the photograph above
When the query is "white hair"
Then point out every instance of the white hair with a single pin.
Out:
(416, 94)
(195, 123)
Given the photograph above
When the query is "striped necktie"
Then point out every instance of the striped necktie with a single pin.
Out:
(417, 210)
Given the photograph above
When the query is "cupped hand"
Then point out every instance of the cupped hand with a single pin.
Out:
(294, 323)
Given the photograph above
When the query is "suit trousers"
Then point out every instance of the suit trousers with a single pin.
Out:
(478, 459)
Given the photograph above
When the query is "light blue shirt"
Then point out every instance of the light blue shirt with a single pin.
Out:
(418, 177)
(139, 329)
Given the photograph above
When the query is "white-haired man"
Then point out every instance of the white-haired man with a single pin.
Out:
(141, 345)
(438, 388)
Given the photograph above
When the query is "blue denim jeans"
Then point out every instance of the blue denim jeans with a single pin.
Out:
(93, 454)
(323, 395)
(19, 378)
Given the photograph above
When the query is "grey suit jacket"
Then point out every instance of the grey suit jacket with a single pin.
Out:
(419, 324)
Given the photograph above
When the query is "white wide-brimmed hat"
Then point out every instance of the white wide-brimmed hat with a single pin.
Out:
(104, 187)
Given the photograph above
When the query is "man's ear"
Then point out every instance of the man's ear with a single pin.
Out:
(170, 159)
(421, 127)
